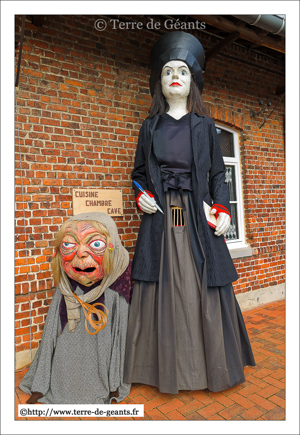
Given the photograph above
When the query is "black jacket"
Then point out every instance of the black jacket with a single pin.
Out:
(208, 182)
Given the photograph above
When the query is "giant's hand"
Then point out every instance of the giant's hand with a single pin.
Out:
(146, 205)
(223, 222)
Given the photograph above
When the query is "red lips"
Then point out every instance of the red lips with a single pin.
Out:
(175, 84)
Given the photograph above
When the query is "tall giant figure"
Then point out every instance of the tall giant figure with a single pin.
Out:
(80, 359)
(186, 330)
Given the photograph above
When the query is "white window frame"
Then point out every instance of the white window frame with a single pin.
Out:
(235, 161)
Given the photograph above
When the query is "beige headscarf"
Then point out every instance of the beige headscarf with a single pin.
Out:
(121, 261)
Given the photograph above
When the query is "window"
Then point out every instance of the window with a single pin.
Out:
(229, 144)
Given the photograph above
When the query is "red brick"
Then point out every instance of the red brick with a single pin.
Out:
(147, 392)
(139, 399)
(22, 397)
(190, 407)
(256, 381)
(202, 396)
(281, 394)
(278, 374)
(170, 406)
(231, 412)
(155, 414)
(153, 403)
(232, 390)
(166, 396)
(195, 416)
(253, 413)
(185, 397)
(224, 400)
(175, 415)
(73, 82)
(23, 331)
(133, 392)
(260, 401)
(275, 382)
(268, 391)
(262, 373)
(215, 417)
(209, 410)
(275, 414)
(250, 370)
(245, 403)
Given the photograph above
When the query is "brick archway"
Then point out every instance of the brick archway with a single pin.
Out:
(226, 116)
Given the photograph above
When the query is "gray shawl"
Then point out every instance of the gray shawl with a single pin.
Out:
(121, 261)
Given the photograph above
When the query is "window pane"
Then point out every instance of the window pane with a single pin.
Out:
(233, 231)
(231, 181)
(226, 142)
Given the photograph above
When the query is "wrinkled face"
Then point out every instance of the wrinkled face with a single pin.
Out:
(82, 253)
(175, 79)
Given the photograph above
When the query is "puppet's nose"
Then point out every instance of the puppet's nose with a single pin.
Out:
(82, 253)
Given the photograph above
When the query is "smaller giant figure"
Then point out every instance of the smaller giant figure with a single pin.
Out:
(81, 355)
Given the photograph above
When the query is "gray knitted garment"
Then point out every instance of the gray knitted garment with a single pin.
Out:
(78, 368)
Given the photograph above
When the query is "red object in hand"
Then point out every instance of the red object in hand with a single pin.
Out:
(220, 209)
(140, 194)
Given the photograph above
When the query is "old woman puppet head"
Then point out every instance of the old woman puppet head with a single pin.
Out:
(88, 251)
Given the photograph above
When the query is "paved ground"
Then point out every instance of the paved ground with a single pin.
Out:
(261, 397)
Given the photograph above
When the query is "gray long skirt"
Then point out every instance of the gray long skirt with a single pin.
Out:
(182, 335)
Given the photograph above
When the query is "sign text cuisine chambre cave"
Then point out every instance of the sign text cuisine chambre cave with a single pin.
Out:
(107, 201)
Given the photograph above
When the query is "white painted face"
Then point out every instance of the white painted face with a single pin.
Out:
(175, 79)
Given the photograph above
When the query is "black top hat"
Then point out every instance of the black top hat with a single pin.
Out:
(177, 46)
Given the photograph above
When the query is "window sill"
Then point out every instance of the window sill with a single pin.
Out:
(240, 252)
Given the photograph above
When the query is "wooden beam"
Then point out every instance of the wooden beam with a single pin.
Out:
(220, 45)
(247, 34)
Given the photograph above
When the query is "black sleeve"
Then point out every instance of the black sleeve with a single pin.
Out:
(217, 186)
(139, 171)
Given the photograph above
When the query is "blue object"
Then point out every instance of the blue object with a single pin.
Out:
(145, 193)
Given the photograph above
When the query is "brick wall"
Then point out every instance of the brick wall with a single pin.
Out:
(82, 97)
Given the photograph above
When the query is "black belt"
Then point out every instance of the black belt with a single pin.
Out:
(178, 177)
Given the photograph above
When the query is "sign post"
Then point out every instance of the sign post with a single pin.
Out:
(107, 201)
